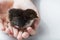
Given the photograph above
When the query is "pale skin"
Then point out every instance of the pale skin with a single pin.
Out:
(21, 4)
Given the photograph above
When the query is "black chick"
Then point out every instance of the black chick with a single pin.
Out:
(21, 18)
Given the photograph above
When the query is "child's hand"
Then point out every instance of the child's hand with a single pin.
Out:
(18, 34)
(14, 32)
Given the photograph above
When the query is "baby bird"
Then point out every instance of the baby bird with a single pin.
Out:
(22, 18)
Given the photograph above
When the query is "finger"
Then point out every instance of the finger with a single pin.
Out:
(19, 37)
(36, 22)
(1, 25)
(7, 30)
(5, 25)
(15, 32)
(31, 31)
(10, 28)
(25, 35)
(3, 29)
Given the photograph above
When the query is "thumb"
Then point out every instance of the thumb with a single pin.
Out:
(5, 4)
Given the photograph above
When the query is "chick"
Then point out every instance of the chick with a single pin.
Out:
(22, 18)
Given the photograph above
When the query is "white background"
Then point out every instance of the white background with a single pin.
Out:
(49, 28)
(50, 16)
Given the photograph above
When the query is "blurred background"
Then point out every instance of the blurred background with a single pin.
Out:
(49, 28)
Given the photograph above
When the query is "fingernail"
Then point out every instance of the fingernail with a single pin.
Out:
(25, 35)
(29, 28)
(31, 31)
(19, 37)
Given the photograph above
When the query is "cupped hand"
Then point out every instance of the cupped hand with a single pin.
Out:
(19, 34)
(13, 31)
